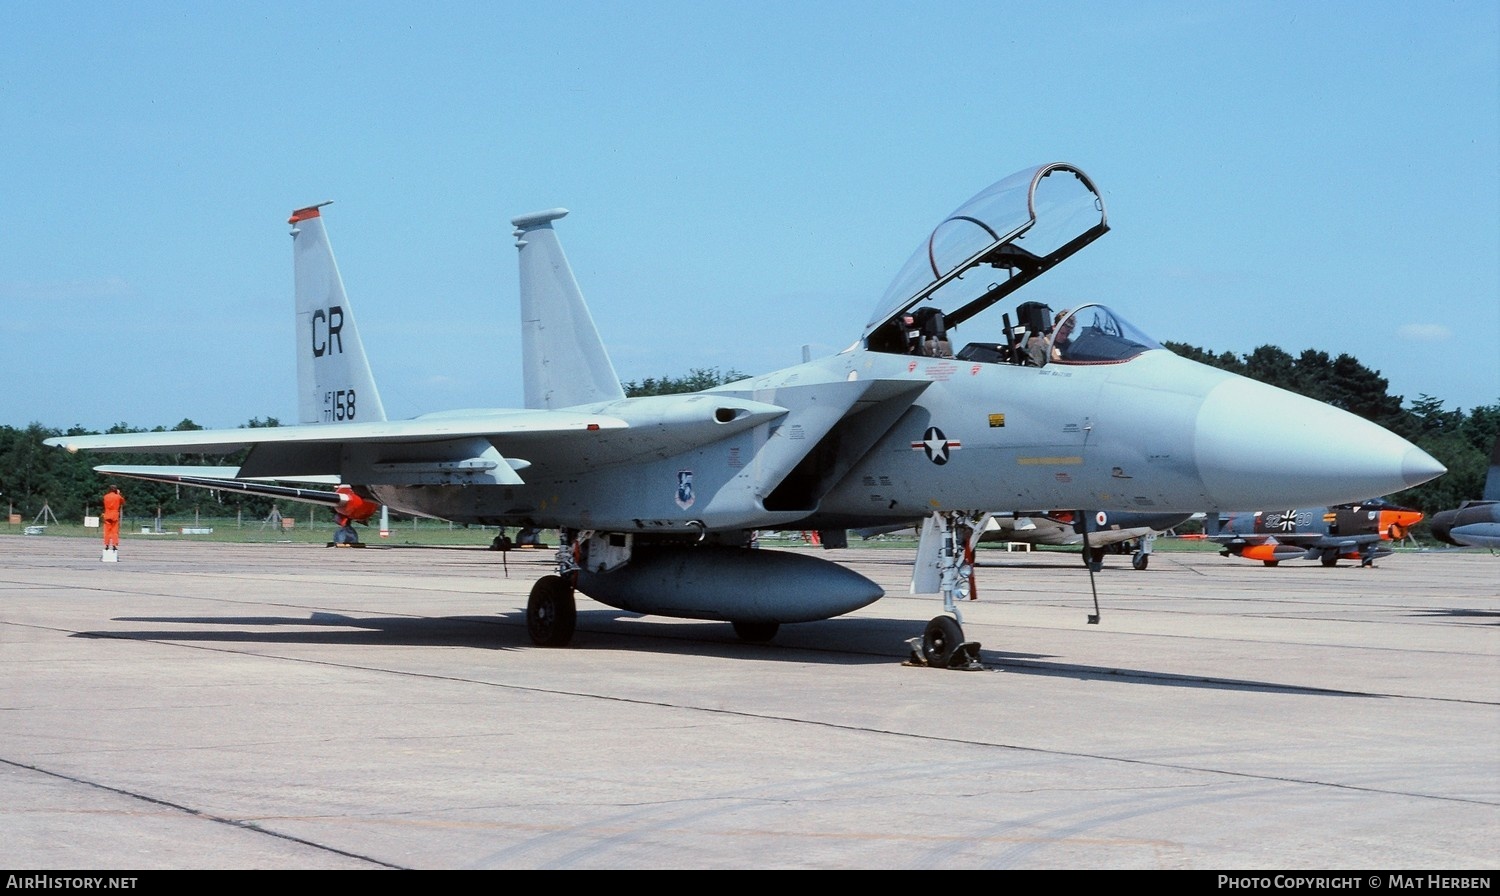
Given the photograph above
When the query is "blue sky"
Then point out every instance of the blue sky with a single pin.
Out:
(744, 179)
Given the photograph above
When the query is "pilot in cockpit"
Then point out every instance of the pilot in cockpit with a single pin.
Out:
(1036, 347)
(1062, 334)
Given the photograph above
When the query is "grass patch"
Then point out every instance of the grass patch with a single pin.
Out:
(240, 531)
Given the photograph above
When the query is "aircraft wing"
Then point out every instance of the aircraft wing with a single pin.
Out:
(478, 447)
(1061, 527)
(420, 429)
(1028, 529)
(1343, 544)
(1310, 540)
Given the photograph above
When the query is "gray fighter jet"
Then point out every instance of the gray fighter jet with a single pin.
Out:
(1108, 532)
(656, 499)
(1474, 524)
(1118, 532)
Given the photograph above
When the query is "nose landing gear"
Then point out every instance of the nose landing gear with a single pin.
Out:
(942, 645)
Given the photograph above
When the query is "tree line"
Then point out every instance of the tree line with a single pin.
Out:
(33, 475)
(1460, 440)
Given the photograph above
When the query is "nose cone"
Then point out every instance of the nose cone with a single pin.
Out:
(1259, 446)
(1403, 518)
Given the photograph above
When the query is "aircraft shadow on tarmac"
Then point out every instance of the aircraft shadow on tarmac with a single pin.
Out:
(835, 642)
(1460, 613)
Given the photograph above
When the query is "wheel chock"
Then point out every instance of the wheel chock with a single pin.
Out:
(965, 657)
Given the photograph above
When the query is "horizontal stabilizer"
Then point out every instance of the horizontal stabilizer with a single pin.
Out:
(223, 479)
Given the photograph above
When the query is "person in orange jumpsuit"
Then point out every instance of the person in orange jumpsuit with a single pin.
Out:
(114, 502)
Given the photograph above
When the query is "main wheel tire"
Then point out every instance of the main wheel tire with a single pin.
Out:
(345, 535)
(756, 632)
(551, 612)
(941, 640)
(1330, 559)
(1270, 562)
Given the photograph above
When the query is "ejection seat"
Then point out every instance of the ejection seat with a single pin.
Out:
(933, 333)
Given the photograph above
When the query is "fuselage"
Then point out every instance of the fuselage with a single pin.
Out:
(1377, 520)
(1153, 433)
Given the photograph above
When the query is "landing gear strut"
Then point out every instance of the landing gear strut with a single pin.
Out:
(942, 644)
(1093, 558)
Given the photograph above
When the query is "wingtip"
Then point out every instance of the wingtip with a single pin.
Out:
(311, 211)
(537, 219)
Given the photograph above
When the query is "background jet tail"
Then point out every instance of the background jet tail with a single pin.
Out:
(1492, 479)
(334, 382)
(563, 361)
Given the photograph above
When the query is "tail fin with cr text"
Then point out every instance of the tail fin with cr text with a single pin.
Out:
(334, 382)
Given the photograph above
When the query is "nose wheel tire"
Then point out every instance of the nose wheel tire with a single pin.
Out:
(941, 639)
(551, 612)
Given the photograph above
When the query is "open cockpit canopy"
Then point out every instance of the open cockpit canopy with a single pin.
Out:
(989, 247)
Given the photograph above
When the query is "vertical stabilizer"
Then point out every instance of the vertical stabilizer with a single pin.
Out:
(334, 383)
(563, 361)
(1492, 479)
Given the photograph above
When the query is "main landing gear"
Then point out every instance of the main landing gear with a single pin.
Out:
(552, 608)
(551, 612)
(1142, 556)
(1093, 557)
(345, 536)
(942, 645)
